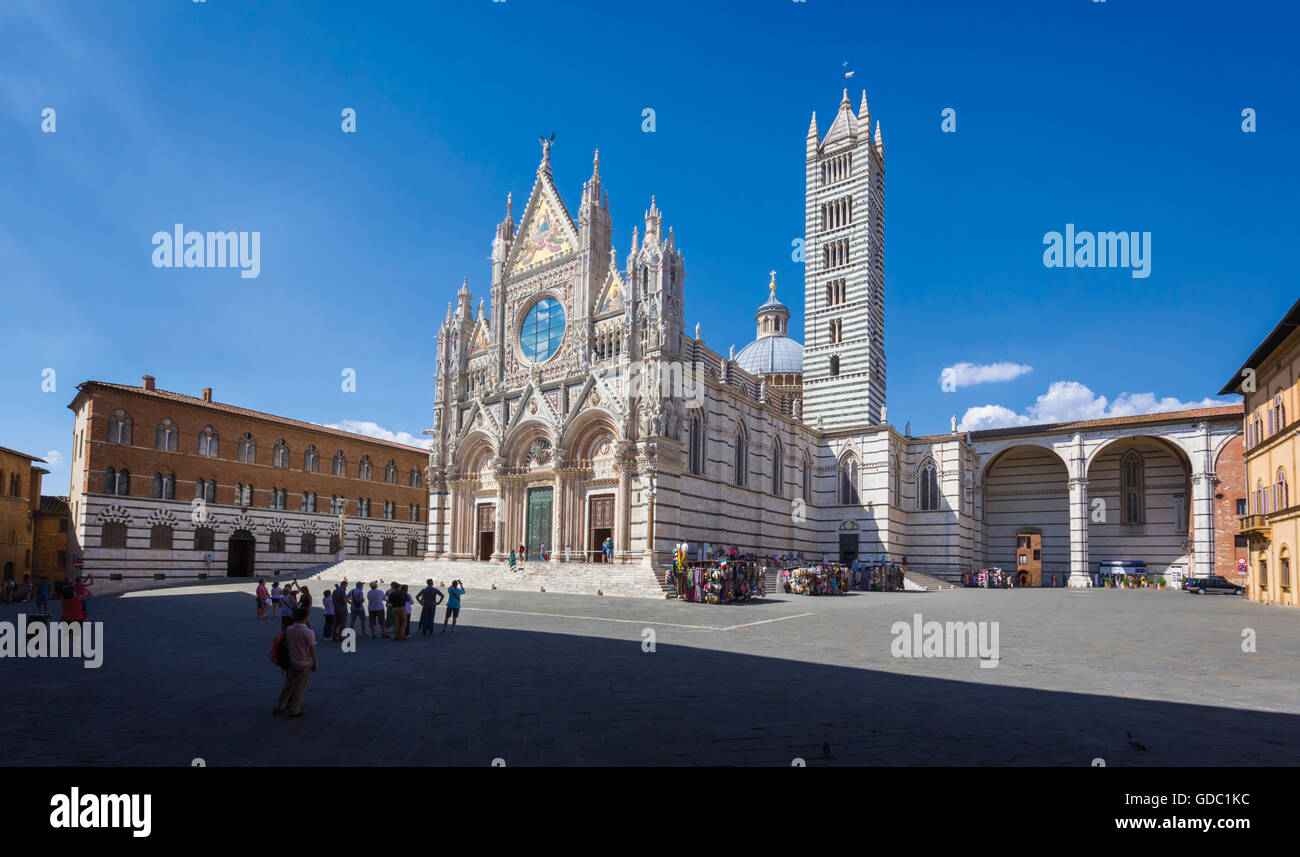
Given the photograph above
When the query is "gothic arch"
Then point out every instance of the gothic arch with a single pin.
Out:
(471, 449)
(587, 434)
(514, 449)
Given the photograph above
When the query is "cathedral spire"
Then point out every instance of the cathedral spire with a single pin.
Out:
(880, 141)
(864, 115)
(813, 133)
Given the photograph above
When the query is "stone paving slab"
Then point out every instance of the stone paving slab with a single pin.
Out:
(559, 679)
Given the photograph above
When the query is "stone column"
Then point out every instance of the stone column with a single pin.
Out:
(1203, 522)
(622, 509)
(559, 516)
(651, 488)
(1079, 577)
(500, 550)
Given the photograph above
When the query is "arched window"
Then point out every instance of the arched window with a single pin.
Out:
(205, 539)
(123, 482)
(110, 480)
(742, 456)
(849, 480)
(247, 449)
(386, 547)
(208, 442)
(696, 440)
(310, 460)
(119, 428)
(1284, 568)
(1261, 499)
(363, 545)
(1280, 410)
(340, 464)
(112, 535)
(415, 477)
(412, 547)
(778, 462)
(835, 365)
(1280, 501)
(928, 488)
(166, 437)
(160, 538)
(334, 544)
(307, 544)
(390, 473)
(275, 544)
(164, 486)
(280, 455)
(363, 468)
(1132, 486)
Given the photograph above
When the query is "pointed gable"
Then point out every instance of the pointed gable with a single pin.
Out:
(479, 339)
(546, 232)
(611, 297)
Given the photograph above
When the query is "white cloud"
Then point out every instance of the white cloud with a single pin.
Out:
(370, 429)
(969, 374)
(54, 459)
(1066, 401)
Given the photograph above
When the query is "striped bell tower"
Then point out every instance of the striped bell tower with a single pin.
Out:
(844, 271)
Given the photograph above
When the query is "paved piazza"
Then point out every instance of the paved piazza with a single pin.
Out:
(536, 678)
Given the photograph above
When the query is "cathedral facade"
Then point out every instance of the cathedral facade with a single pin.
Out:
(575, 411)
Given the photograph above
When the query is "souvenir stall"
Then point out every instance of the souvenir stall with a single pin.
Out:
(819, 579)
(726, 581)
(876, 575)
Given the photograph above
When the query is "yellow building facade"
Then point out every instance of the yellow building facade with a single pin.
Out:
(1270, 383)
(20, 497)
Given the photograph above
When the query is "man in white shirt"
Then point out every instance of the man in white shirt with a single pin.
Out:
(376, 600)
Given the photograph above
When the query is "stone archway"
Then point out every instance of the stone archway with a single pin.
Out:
(1140, 505)
(1026, 491)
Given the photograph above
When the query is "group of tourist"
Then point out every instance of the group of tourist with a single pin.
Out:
(74, 595)
(989, 578)
(345, 609)
(375, 610)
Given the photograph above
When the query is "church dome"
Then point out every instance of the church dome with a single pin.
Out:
(773, 351)
(771, 354)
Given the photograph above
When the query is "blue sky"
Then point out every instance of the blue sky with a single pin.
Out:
(225, 115)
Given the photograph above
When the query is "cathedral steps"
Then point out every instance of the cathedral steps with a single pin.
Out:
(925, 582)
(610, 579)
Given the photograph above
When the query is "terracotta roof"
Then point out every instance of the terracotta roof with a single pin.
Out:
(54, 506)
(1106, 422)
(181, 398)
(1284, 328)
(22, 454)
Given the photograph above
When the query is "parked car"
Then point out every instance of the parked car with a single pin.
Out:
(1212, 586)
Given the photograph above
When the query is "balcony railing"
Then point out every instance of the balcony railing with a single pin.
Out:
(1255, 525)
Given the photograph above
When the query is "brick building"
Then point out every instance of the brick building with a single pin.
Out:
(166, 485)
(1229, 505)
(50, 555)
(20, 493)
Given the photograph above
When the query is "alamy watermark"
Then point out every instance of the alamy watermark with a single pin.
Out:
(946, 640)
(1099, 250)
(181, 249)
(83, 640)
